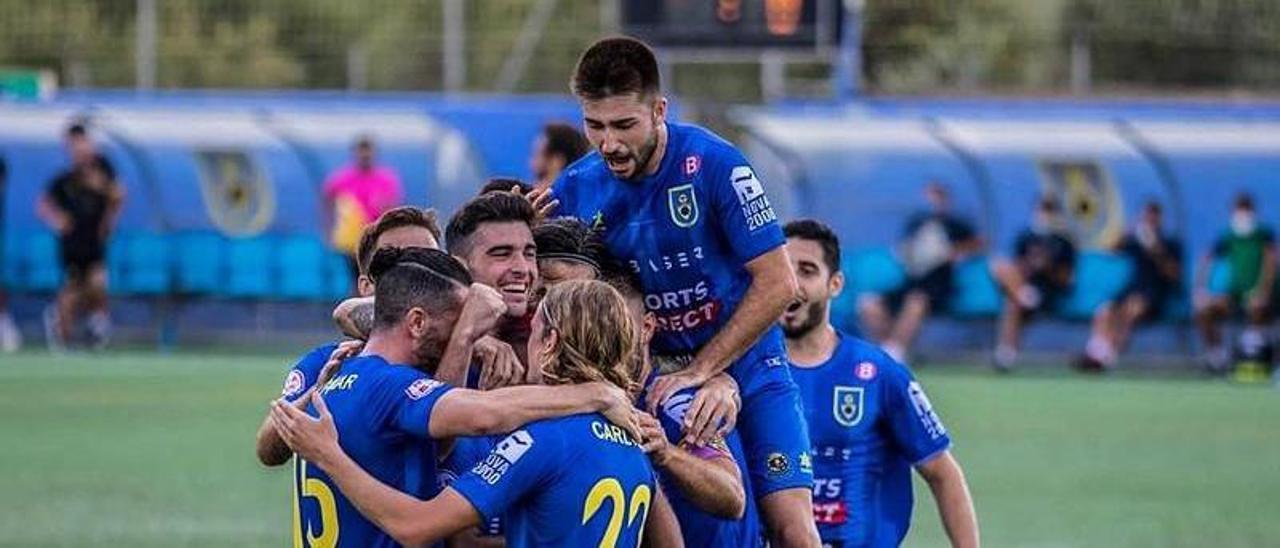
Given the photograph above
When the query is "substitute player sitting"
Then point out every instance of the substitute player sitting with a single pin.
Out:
(572, 481)
(685, 210)
(869, 419)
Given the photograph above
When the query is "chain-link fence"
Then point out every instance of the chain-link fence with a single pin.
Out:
(911, 46)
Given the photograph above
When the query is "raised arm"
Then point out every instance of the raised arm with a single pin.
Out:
(773, 287)
(951, 493)
(463, 412)
(354, 317)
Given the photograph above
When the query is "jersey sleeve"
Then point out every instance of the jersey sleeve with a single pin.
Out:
(408, 400)
(912, 422)
(742, 212)
(305, 372)
(671, 417)
(524, 461)
(467, 453)
(562, 191)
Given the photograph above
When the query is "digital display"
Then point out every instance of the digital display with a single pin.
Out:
(733, 23)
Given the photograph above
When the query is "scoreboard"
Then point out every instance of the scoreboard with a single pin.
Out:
(734, 24)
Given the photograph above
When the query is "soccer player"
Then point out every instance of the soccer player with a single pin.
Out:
(685, 210)
(704, 482)
(869, 419)
(399, 227)
(388, 411)
(570, 481)
(557, 146)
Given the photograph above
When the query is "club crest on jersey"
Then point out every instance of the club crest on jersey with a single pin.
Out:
(847, 405)
(292, 384)
(683, 205)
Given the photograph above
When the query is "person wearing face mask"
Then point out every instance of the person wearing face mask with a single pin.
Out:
(1248, 250)
(1157, 273)
(1041, 271)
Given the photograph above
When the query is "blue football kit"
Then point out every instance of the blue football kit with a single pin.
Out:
(689, 231)
(382, 412)
(306, 371)
(571, 481)
(466, 453)
(870, 423)
(698, 527)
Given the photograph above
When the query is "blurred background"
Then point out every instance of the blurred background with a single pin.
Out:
(225, 124)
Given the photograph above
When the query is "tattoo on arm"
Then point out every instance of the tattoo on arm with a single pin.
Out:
(362, 319)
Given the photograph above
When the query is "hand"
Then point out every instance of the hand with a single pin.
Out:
(481, 312)
(313, 439)
(653, 438)
(1259, 299)
(1200, 299)
(714, 411)
(541, 201)
(499, 365)
(345, 350)
(619, 409)
(667, 385)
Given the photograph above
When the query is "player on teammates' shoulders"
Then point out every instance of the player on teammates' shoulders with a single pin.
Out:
(869, 419)
(685, 210)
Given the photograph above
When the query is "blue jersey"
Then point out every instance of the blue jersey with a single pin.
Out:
(698, 527)
(466, 453)
(572, 481)
(382, 412)
(688, 230)
(870, 423)
(306, 371)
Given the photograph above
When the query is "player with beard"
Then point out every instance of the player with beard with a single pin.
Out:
(571, 481)
(685, 210)
(390, 412)
(869, 419)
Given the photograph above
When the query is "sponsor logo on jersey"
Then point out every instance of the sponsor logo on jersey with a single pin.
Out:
(508, 451)
(830, 513)
(924, 410)
(682, 203)
(846, 405)
(671, 261)
(777, 464)
(865, 371)
(421, 387)
(806, 462)
(292, 384)
(691, 165)
(755, 205)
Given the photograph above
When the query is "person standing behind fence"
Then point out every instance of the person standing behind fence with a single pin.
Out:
(355, 195)
(81, 205)
(557, 146)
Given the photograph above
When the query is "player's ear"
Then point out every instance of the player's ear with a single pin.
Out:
(647, 327)
(364, 285)
(836, 284)
(660, 109)
(417, 322)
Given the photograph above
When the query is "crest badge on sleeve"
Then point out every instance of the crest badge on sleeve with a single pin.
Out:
(683, 205)
(847, 405)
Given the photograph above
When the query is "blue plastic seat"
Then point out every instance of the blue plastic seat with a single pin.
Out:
(300, 262)
(43, 268)
(1099, 277)
(200, 260)
(974, 293)
(249, 268)
(872, 271)
(339, 282)
(1219, 277)
(148, 264)
(12, 262)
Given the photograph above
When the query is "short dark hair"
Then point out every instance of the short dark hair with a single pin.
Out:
(571, 239)
(364, 141)
(409, 277)
(565, 141)
(77, 129)
(392, 219)
(493, 207)
(616, 66)
(816, 231)
(1244, 201)
(1154, 207)
(504, 184)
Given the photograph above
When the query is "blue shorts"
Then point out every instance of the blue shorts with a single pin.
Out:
(774, 434)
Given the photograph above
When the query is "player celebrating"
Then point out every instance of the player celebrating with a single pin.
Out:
(388, 411)
(686, 211)
(869, 420)
(572, 481)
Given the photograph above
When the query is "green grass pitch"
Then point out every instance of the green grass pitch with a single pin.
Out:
(140, 449)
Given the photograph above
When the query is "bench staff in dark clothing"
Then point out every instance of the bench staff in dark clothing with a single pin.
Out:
(81, 205)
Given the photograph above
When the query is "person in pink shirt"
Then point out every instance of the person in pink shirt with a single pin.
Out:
(356, 195)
